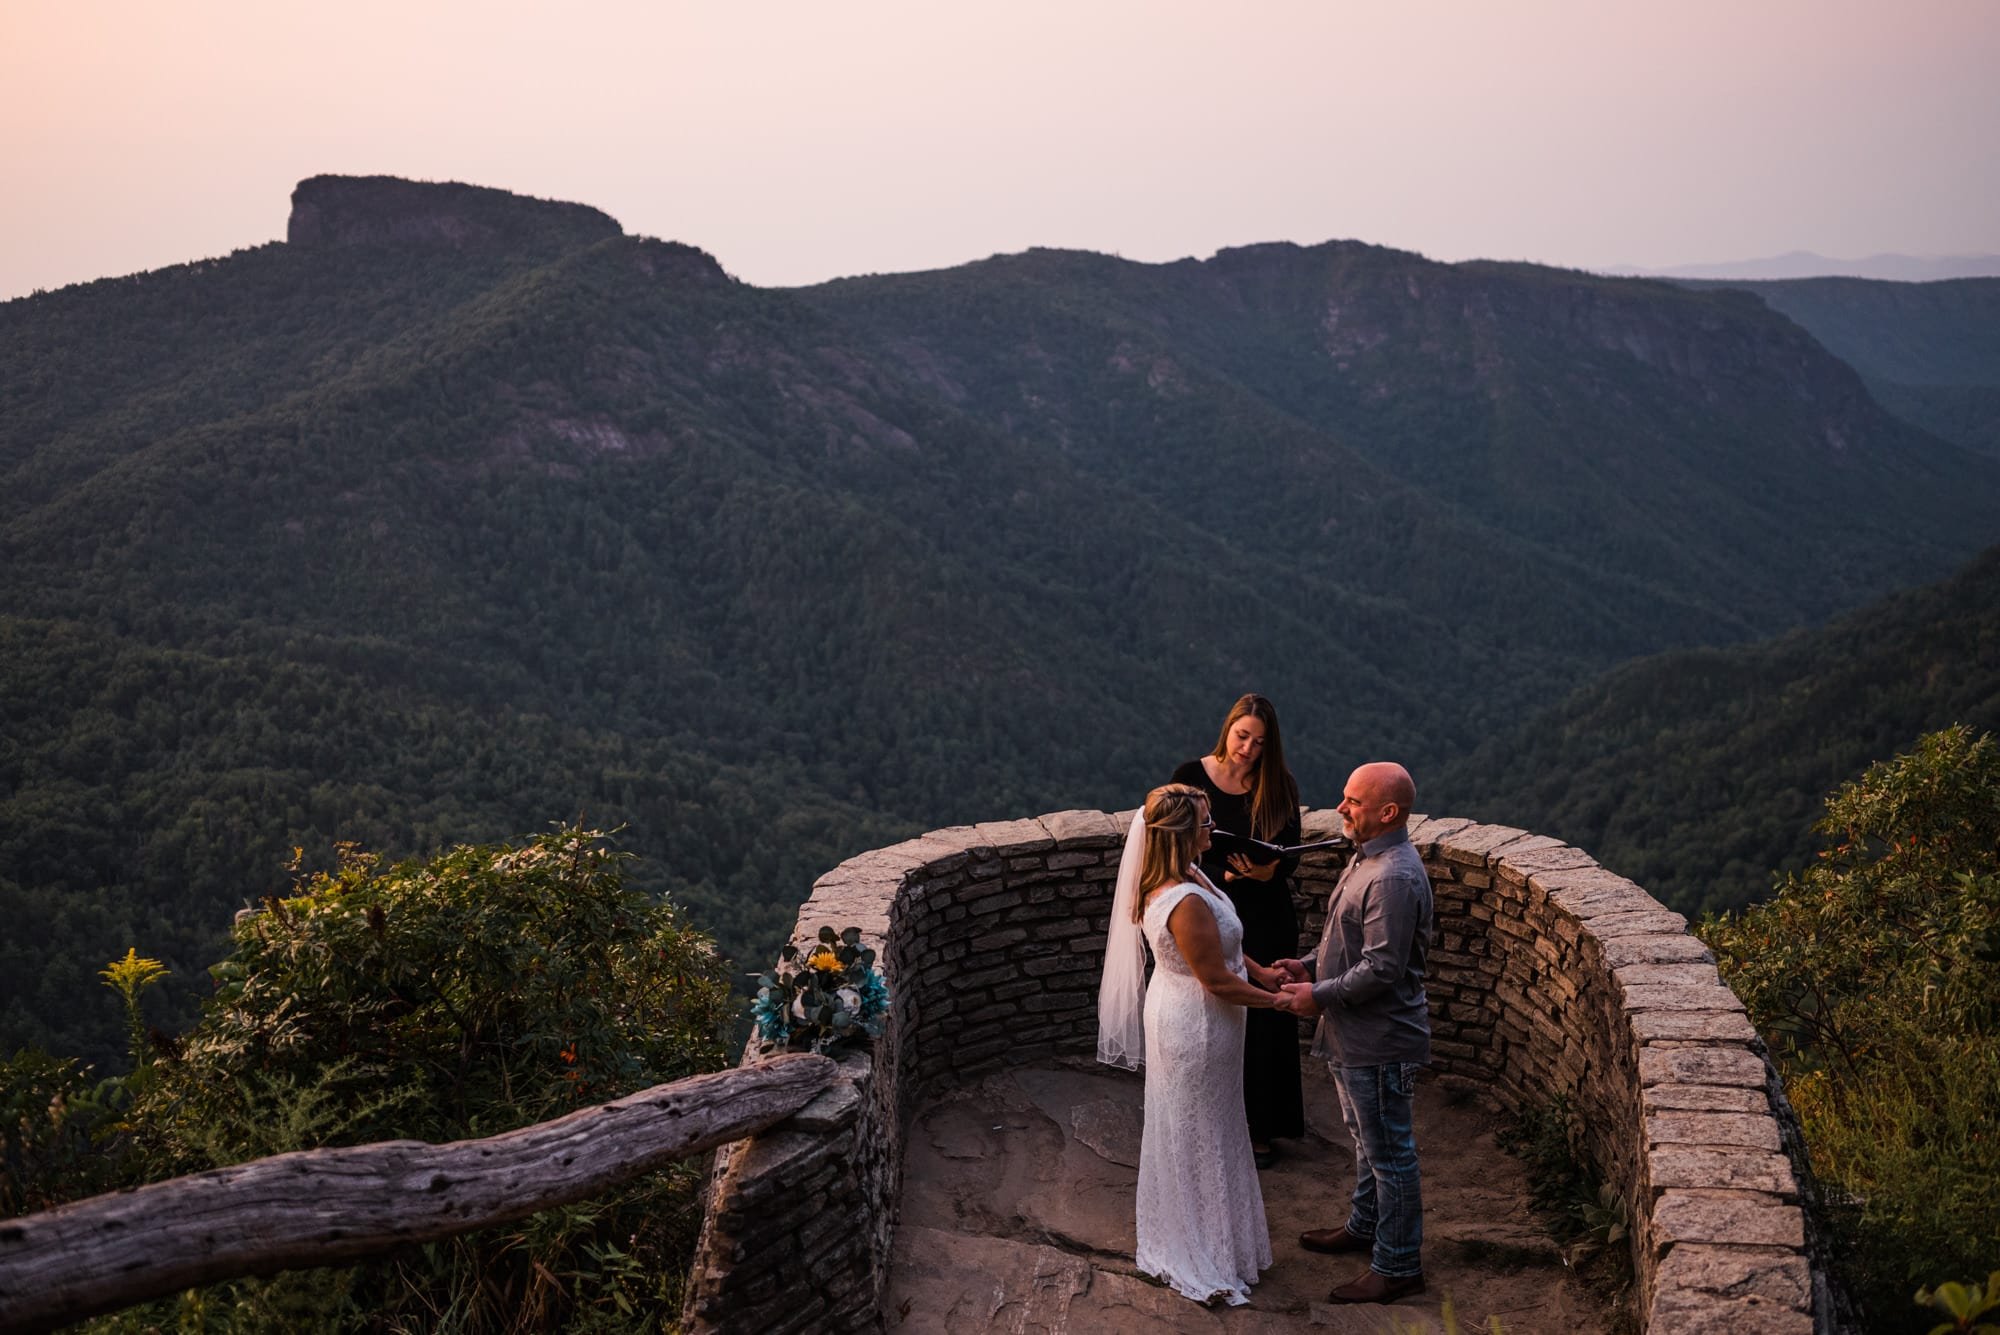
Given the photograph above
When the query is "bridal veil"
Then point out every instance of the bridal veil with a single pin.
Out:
(1121, 996)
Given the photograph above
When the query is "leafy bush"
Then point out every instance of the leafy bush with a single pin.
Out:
(488, 989)
(58, 1132)
(1965, 1304)
(1875, 974)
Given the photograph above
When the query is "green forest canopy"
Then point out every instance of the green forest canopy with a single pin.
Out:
(414, 544)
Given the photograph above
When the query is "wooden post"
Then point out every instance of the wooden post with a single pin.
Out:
(337, 1206)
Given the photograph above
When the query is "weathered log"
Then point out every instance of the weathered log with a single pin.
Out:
(337, 1206)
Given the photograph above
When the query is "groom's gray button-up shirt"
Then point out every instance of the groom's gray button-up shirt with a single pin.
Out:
(1369, 969)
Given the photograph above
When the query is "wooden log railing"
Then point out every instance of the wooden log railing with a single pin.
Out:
(337, 1206)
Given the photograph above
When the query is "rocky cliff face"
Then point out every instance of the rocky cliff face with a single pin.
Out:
(333, 211)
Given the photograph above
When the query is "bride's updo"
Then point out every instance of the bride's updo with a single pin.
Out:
(1173, 818)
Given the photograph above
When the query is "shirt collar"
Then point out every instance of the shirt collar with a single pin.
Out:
(1385, 841)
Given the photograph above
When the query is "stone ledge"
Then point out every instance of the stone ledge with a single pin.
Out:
(1691, 973)
(1427, 831)
(1317, 823)
(1749, 1130)
(1705, 1026)
(1687, 1167)
(1526, 844)
(1727, 1317)
(1560, 976)
(930, 851)
(1680, 997)
(1581, 879)
(1712, 1216)
(1637, 922)
(1728, 1065)
(1522, 867)
(1606, 900)
(1473, 844)
(1623, 950)
(834, 1107)
(1069, 828)
(1705, 1098)
(1771, 1279)
(1008, 838)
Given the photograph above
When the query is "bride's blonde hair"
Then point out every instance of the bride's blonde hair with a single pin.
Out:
(1173, 817)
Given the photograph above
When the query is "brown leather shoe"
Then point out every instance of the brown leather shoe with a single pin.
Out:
(1334, 1241)
(1373, 1288)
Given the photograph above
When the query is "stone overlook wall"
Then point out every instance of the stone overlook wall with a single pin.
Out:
(1550, 975)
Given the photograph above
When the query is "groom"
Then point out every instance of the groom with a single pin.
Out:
(1366, 983)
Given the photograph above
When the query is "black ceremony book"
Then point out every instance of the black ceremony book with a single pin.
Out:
(1260, 851)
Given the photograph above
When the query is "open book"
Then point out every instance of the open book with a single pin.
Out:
(1259, 851)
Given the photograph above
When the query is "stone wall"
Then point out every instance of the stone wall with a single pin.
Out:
(1550, 975)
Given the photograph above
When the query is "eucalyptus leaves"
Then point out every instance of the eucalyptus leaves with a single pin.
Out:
(814, 1001)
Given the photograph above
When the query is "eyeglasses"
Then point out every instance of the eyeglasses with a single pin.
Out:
(1208, 822)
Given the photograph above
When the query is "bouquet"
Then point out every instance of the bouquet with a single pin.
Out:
(815, 1001)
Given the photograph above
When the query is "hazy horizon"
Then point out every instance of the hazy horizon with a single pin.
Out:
(802, 144)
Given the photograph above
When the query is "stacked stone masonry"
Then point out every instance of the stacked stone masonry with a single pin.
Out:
(1549, 976)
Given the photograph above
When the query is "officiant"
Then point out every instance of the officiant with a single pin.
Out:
(1251, 792)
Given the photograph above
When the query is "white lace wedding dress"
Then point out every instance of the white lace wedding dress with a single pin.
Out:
(1201, 1212)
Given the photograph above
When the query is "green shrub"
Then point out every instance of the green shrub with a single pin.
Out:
(1875, 974)
(60, 1133)
(488, 989)
(1965, 1304)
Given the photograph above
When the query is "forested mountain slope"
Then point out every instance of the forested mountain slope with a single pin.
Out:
(1698, 772)
(147, 793)
(459, 513)
(1685, 442)
(1930, 352)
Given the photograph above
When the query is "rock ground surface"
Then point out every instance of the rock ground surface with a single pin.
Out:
(1017, 1216)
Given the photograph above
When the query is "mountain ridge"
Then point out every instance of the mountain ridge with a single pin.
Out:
(851, 561)
(1457, 419)
(1929, 353)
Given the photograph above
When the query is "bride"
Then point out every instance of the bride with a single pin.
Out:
(1200, 1211)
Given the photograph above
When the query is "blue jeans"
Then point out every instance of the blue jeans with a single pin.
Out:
(1375, 1102)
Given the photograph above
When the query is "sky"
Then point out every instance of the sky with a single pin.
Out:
(799, 141)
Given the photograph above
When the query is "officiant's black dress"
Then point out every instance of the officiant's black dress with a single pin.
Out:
(1271, 1093)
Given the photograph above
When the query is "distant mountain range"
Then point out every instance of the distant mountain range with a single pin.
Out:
(458, 513)
(1928, 352)
(1699, 772)
(1805, 264)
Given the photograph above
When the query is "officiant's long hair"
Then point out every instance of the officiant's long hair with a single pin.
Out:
(1173, 816)
(1274, 795)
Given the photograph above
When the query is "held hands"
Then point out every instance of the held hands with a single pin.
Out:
(1295, 993)
(1298, 999)
(1275, 975)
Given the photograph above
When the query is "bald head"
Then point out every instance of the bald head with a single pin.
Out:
(1386, 781)
(1378, 798)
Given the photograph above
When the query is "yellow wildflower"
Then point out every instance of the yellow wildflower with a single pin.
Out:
(133, 974)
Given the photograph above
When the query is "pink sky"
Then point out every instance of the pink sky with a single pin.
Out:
(799, 141)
